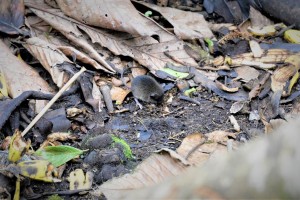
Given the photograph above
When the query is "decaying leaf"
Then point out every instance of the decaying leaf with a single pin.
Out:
(281, 76)
(292, 36)
(267, 61)
(235, 124)
(38, 170)
(265, 31)
(78, 180)
(18, 146)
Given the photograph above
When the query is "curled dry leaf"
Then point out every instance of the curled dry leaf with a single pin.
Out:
(119, 15)
(225, 88)
(281, 76)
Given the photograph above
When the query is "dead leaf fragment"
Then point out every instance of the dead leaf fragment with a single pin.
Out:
(235, 124)
(237, 106)
(255, 49)
(246, 73)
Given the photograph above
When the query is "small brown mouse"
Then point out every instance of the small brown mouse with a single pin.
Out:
(147, 89)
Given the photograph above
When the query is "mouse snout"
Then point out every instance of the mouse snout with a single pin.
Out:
(158, 98)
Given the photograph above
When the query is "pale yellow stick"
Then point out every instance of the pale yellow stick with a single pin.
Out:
(51, 102)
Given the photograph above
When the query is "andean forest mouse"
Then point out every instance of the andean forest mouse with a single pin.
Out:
(147, 89)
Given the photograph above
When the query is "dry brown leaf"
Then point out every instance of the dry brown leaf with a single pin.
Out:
(153, 170)
(246, 73)
(118, 15)
(118, 94)
(19, 76)
(187, 25)
(188, 145)
(49, 56)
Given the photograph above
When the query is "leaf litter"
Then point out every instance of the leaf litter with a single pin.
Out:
(117, 46)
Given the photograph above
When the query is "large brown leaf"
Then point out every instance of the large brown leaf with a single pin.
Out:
(19, 76)
(119, 15)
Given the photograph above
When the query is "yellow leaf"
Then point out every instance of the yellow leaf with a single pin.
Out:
(18, 146)
(38, 170)
(292, 36)
(79, 181)
(3, 86)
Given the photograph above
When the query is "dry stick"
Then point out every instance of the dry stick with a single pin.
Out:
(51, 102)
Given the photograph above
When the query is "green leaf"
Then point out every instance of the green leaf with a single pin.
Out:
(175, 73)
(59, 155)
(126, 148)
(148, 13)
